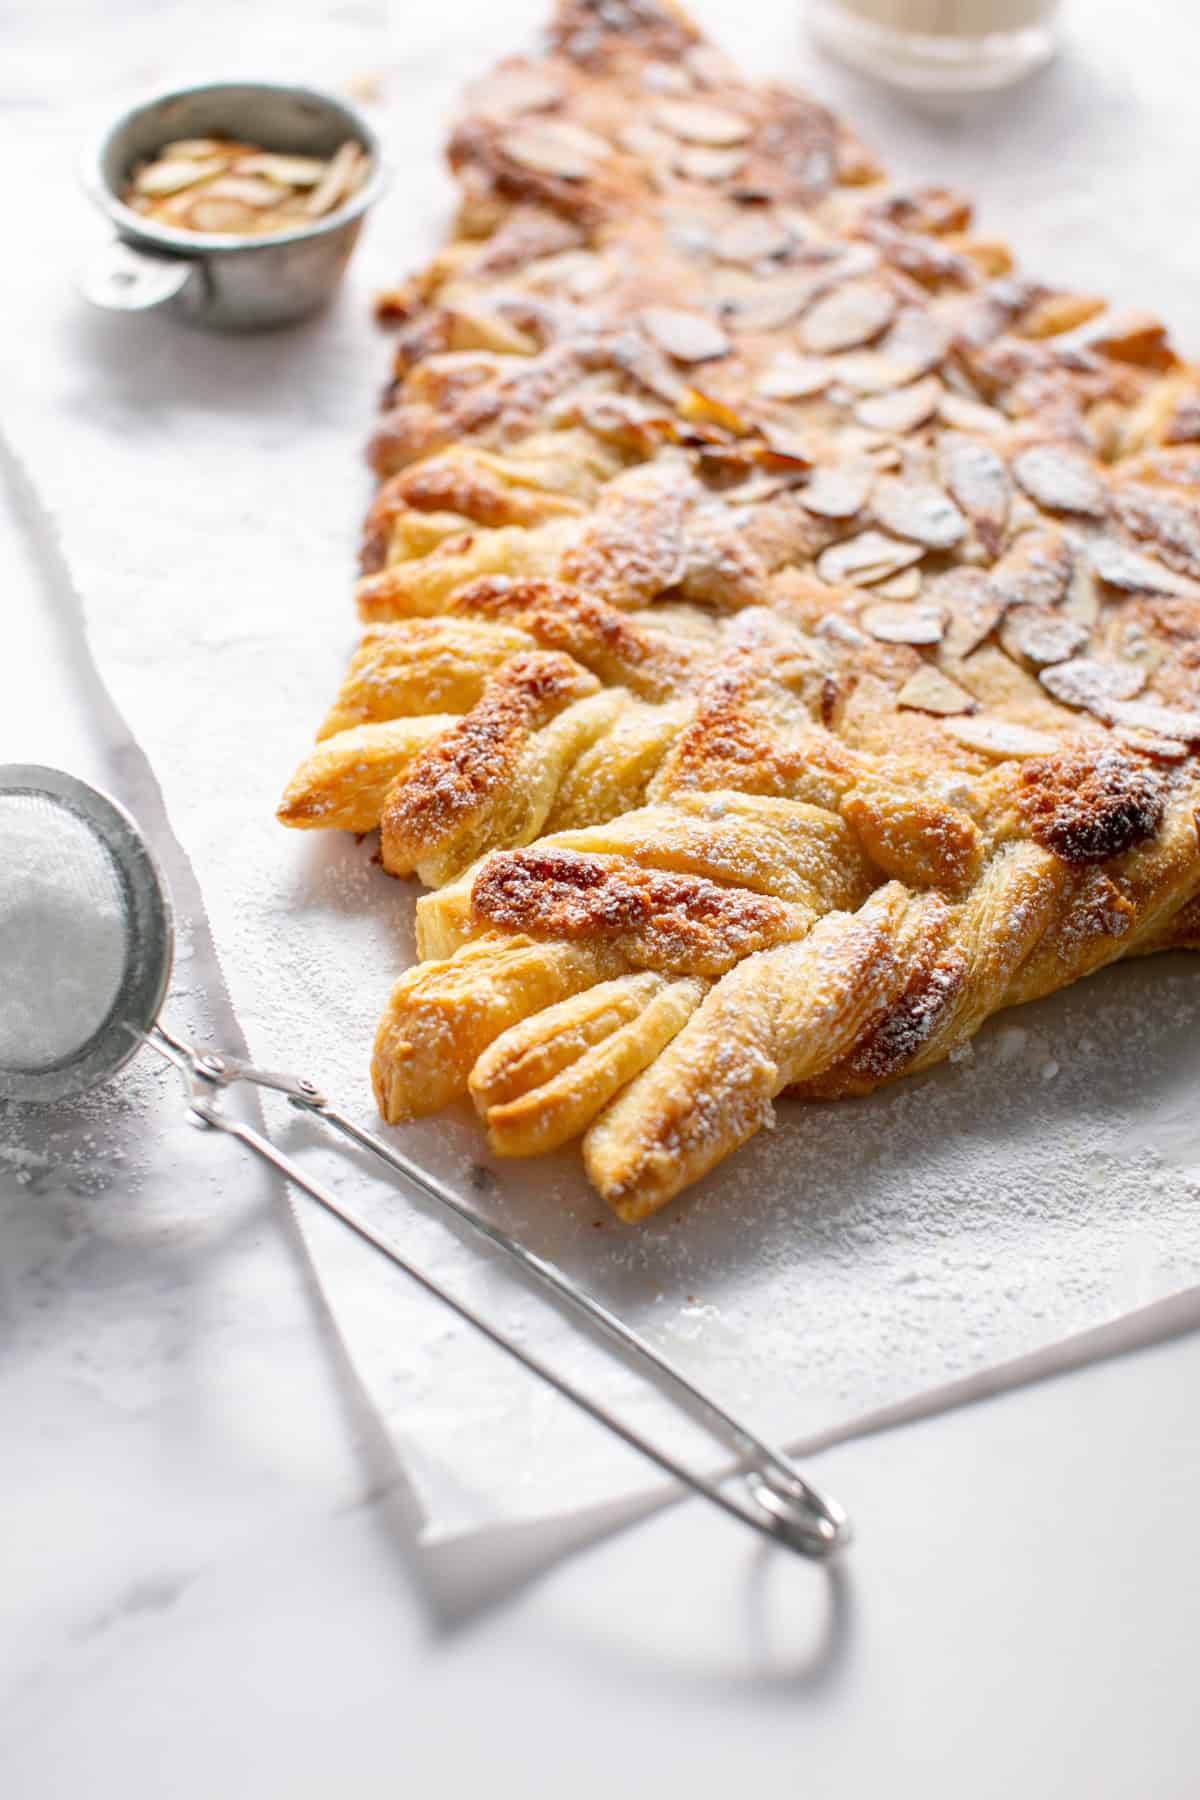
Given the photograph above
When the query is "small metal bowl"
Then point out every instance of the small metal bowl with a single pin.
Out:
(221, 279)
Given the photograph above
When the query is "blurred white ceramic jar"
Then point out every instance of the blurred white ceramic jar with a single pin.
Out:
(946, 46)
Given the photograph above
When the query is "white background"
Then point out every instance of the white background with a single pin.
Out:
(214, 1583)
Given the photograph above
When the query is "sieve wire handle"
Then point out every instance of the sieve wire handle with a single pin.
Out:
(777, 1501)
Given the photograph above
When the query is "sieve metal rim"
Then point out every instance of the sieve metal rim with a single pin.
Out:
(151, 929)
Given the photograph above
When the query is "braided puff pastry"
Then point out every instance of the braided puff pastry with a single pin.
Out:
(783, 619)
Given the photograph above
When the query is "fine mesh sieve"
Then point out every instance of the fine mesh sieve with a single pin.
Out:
(86, 937)
(86, 943)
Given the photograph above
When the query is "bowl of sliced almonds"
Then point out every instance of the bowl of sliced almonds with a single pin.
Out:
(235, 204)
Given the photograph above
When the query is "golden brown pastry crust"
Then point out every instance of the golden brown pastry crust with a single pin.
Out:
(783, 616)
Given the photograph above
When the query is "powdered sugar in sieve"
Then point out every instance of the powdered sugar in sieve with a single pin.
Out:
(63, 934)
(85, 935)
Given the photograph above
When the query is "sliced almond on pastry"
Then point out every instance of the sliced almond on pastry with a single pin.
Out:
(1061, 480)
(838, 490)
(962, 414)
(901, 409)
(932, 692)
(918, 510)
(982, 486)
(1162, 721)
(1122, 567)
(554, 147)
(700, 162)
(1091, 684)
(869, 557)
(689, 337)
(974, 609)
(852, 315)
(894, 623)
(791, 377)
(698, 123)
(1001, 737)
(1041, 635)
(905, 586)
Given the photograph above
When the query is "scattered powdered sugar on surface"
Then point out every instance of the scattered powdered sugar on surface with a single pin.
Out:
(63, 937)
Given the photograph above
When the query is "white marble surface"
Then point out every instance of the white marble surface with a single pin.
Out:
(212, 1576)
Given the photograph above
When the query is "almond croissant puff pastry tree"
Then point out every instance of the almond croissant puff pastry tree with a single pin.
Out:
(782, 619)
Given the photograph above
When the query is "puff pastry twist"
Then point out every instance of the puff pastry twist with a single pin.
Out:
(783, 619)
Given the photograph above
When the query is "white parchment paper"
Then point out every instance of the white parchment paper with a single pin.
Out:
(207, 493)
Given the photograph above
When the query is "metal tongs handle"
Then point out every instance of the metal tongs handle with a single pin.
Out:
(777, 1500)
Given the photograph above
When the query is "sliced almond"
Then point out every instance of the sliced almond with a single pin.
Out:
(898, 624)
(1168, 522)
(980, 482)
(838, 490)
(869, 372)
(700, 163)
(1134, 573)
(646, 364)
(1036, 571)
(1061, 480)
(1160, 721)
(932, 692)
(902, 409)
(196, 150)
(1126, 640)
(158, 179)
(689, 232)
(840, 631)
(554, 147)
(914, 345)
(709, 66)
(1001, 737)
(515, 90)
(764, 484)
(347, 168)
(689, 337)
(1095, 686)
(905, 586)
(1059, 313)
(867, 558)
(767, 305)
(479, 328)
(1082, 602)
(972, 608)
(846, 262)
(918, 510)
(1130, 336)
(579, 273)
(695, 122)
(707, 409)
(792, 377)
(1162, 749)
(851, 315)
(962, 414)
(754, 237)
(917, 342)
(1041, 635)
(284, 171)
(665, 78)
(218, 215)
(644, 141)
(249, 189)
(788, 446)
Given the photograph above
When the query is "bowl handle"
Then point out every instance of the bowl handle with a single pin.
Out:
(124, 279)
